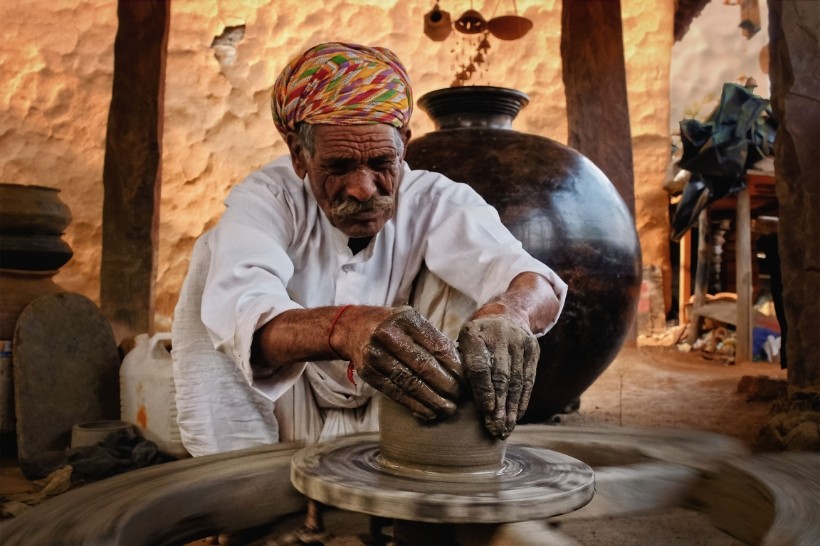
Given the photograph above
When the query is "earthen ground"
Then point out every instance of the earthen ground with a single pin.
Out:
(664, 387)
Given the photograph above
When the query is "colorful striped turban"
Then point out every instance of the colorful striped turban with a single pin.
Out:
(342, 84)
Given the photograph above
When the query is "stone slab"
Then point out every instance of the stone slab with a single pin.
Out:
(66, 371)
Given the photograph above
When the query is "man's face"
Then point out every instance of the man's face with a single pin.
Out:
(353, 172)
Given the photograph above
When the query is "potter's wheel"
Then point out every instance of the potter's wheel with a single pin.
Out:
(532, 483)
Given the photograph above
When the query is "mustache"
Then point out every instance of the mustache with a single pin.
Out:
(349, 206)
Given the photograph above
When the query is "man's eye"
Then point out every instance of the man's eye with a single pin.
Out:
(383, 165)
(338, 169)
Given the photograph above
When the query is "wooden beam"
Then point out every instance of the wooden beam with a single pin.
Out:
(132, 166)
(594, 71)
(794, 54)
(592, 52)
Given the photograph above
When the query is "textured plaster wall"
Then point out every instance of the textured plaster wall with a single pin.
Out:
(56, 61)
(56, 69)
(714, 52)
(648, 39)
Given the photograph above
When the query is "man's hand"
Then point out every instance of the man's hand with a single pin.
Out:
(500, 358)
(409, 360)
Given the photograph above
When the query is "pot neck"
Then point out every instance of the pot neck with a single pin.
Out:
(473, 106)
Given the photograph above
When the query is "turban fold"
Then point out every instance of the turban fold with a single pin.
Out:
(342, 84)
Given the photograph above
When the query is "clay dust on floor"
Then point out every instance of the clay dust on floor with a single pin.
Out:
(663, 387)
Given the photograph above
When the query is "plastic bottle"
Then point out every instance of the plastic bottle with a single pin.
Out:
(147, 393)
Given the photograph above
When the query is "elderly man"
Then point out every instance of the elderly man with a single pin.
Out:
(335, 272)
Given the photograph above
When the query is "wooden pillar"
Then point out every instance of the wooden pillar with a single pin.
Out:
(594, 71)
(794, 54)
(131, 170)
(592, 52)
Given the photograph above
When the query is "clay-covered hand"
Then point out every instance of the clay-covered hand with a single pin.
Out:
(500, 358)
(410, 361)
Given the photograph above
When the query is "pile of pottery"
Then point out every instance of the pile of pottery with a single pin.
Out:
(33, 219)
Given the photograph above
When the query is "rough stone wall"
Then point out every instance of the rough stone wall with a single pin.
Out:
(56, 62)
(713, 52)
(648, 27)
(56, 76)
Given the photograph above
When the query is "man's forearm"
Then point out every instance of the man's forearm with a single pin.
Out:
(305, 334)
(530, 299)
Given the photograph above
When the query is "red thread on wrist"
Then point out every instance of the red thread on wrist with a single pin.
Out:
(350, 373)
(342, 309)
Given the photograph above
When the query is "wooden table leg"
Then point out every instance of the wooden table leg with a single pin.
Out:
(684, 275)
(701, 275)
(743, 279)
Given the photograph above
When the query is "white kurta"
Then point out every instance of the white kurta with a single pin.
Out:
(274, 250)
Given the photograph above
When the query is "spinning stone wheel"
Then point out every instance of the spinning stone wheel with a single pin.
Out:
(642, 471)
(446, 473)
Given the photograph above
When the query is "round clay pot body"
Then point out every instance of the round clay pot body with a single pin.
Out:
(17, 290)
(565, 212)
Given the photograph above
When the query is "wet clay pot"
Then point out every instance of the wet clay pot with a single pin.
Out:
(565, 212)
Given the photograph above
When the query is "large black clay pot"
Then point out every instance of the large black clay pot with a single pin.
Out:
(565, 212)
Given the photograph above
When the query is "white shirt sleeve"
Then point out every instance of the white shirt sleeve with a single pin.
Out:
(470, 249)
(248, 276)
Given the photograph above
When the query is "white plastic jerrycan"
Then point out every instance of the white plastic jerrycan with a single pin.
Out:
(147, 393)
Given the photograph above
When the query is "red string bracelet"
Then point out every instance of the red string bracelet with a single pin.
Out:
(330, 345)
(350, 373)
(342, 309)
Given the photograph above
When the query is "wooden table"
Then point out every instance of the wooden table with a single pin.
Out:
(758, 193)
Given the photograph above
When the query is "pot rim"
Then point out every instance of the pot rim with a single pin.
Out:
(12, 185)
(484, 101)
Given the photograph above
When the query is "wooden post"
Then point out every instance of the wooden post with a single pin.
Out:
(701, 275)
(131, 170)
(794, 51)
(684, 275)
(743, 277)
(594, 72)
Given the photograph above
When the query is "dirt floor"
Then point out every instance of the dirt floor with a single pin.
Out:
(664, 387)
(646, 387)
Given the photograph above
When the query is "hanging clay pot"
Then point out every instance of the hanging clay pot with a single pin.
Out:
(565, 212)
(509, 27)
(437, 24)
(470, 22)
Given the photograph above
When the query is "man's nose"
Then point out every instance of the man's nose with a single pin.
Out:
(361, 185)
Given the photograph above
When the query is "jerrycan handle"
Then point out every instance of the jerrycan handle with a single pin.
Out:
(159, 346)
